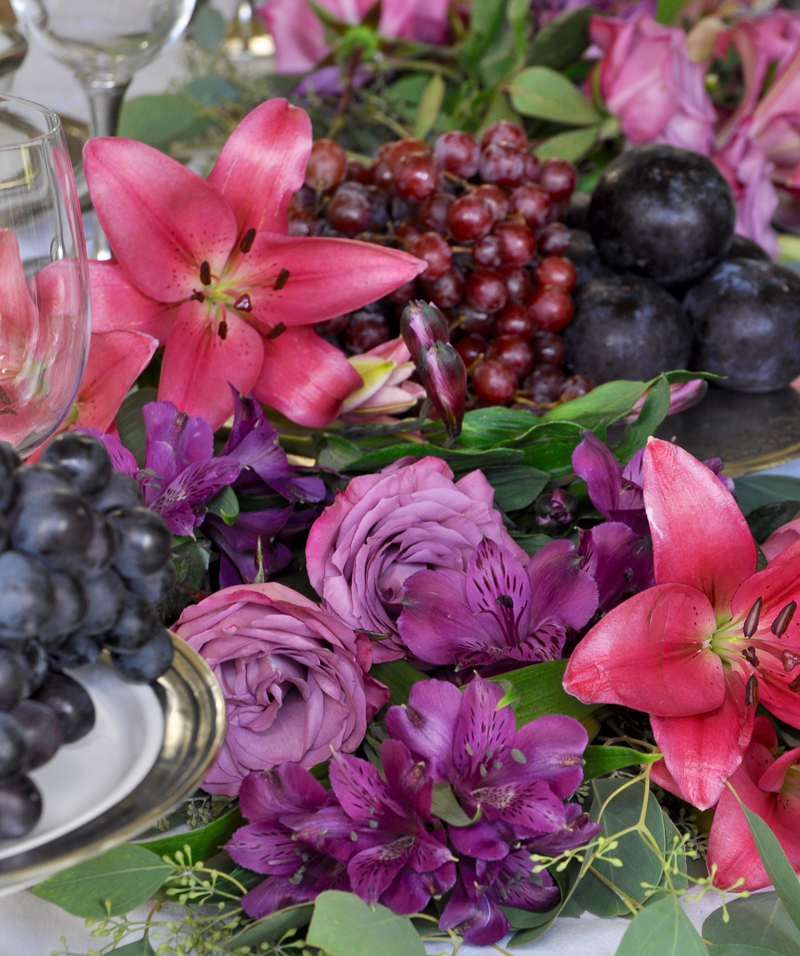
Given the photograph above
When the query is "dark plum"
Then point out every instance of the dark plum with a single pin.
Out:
(662, 212)
(746, 319)
(626, 327)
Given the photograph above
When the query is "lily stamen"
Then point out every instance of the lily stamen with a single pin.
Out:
(781, 623)
(205, 272)
(751, 621)
(247, 240)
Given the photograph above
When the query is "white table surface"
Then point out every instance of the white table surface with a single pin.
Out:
(32, 927)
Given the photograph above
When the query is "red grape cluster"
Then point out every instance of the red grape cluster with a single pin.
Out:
(486, 217)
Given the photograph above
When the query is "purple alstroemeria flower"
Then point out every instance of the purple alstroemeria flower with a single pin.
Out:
(275, 801)
(393, 854)
(499, 610)
(181, 474)
(619, 560)
(254, 443)
(519, 777)
(239, 544)
(615, 491)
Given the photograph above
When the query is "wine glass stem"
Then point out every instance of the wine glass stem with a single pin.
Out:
(105, 102)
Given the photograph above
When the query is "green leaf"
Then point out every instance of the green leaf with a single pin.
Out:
(532, 543)
(208, 28)
(544, 93)
(527, 919)
(515, 487)
(549, 447)
(753, 491)
(430, 105)
(768, 518)
(640, 864)
(668, 10)
(225, 505)
(500, 61)
(606, 403)
(337, 453)
(157, 119)
(487, 427)
(759, 920)
(344, 925)
(399, 677)
(600, 760)
(653, 412)
(485, 23)
(271, 928)
(541, 692)
(778, 867)
(131, 424)
(572, 145)
(111, 884)
(407, 90)
(203, 842)
(211, 91)
(140, 948)
(562, 41)
(461, 461)
(740, 949)
(662, 929)
(445, 806)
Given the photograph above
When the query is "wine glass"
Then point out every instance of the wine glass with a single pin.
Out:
(104, 42)
(44, 277)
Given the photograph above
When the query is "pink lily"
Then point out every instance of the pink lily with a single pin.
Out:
(769, 785)
(713, 637)
(206, 267)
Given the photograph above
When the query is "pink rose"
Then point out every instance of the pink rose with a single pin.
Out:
(294, 679)
(383, 528)
(648, 82)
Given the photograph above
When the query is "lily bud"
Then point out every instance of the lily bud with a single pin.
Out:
(444, 376)
(421, 326)
(555, 509)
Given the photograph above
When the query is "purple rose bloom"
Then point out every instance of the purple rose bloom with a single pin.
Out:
(294, 679)
(385, 527)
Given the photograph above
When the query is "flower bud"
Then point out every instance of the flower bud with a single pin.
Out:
(422, 325)
(444, 376)
(555, 509)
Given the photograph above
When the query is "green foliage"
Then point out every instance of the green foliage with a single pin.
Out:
(158, 119)
(430, 105)
(208, 28)
(546, 94)
(203, 842)
(572, 145)
(662, 929)
(225, 505)
(753, 491)
(399, 677)
(601, 760)
(541, 691)
(561, 42)
(130, 423)
(344, 925)
(273, 927)
(759, 921)
(108, 885)
(765, 519)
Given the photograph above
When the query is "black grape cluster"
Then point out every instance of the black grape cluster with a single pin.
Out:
(81, 561)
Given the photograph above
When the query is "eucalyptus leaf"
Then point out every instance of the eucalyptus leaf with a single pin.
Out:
(157, 119)
(225, 505)
(141, 947)
(541, 691)
(337, 453)
(203, 842)
(211, 90)
(445, 806)
(111, 884)
(399, 677)
(208, 28)
(130, 423)
(344, 925)
(600, 760)
(572, 145)
(546, 94)
(527, 919)
(430, 105)
(562, 41)
(662, 929)
(759, 920)
(753, 491)
(740, 949)
(271, 928)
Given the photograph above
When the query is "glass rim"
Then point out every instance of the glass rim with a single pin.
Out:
(52, 119)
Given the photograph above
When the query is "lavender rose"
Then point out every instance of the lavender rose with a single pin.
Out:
(383, 528)
(293, 676)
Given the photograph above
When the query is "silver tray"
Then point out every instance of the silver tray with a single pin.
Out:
(194, 719)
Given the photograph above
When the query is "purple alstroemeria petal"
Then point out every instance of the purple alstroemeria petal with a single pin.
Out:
(616, 493)
(239, 542)
(478, 920)
(483, 733)
(286, 789)
(620, 561)
(551, 749)
(174, 440)
(182, 502)
(265, 847)
(559, 589)
(436, 621)
(427, 725)
(517, 886)
(546, 643)
(363, 795)
(121, 458)
(484, 839)
(411, 891)
(528, 806)
(578, 831)
(329, 831)
(632, 472)
(429, 852)
(372, 871)
(499, 593)
(406, 777)
(272, 894)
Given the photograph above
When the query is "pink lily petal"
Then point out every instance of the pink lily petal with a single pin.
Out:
(702, 751)
(161, 219)
(118, 304)
(59, 291)
(116, 360)
(18, 309)
(777, 585)
(327, 277)
(700, 536)
(303, 377)
(649, 654)
(199, 363)
(263, 164)
(774, 777)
